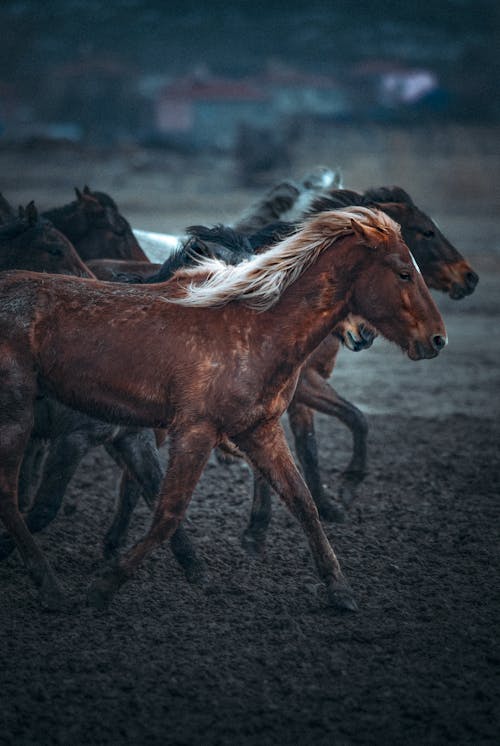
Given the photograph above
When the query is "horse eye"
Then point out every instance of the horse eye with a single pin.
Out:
(405, 276)
(54, 251)
(428, 234)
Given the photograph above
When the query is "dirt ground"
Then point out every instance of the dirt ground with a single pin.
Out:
(258, 657)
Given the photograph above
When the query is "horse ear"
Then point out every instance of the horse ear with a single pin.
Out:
(86, 189)
(31, 213)
(78, 193)
(359, 230)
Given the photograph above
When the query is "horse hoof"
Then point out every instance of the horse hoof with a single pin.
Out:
(252, 544)
(349, 487)
(102, 590)
(340, 597)
(331, 513)
(109, 551)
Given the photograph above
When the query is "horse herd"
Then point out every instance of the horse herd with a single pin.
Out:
(101, 346)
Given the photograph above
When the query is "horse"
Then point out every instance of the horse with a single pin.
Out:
(443, 268)
(69, 435)
(31, 242)
(159, 246)
(209, 378)
(96, 228)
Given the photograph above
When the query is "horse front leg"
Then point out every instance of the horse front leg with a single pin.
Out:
(267, 449)
(189, 452)
(301, 420)
(314, 392)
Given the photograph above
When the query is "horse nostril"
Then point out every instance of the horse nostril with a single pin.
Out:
(438, 342)
(471, 279)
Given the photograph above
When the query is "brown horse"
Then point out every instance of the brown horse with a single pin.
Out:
(443, 268)
(163, 361)
(61, 436)
(96, 228)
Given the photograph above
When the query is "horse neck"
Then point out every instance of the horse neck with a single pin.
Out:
(308, 310)
(65, 219)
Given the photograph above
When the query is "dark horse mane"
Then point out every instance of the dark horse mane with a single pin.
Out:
(218, 242)
(387, 194)
(339, 198)
(231, 246)
(67, 210)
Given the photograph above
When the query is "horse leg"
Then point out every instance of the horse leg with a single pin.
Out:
(14, 433)
(301, 420)
(189, 452)
(31, 472)
(254, 536)
(143, 475)
(61, 462)
(268, 450)
(137, 454)
(316, 393)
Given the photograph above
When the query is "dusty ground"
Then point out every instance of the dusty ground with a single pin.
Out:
(258, 658)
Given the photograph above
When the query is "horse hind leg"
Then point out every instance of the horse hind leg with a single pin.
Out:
(15, 427)
(61, 461)
(301, 420)
(316, 393)
(142, 476)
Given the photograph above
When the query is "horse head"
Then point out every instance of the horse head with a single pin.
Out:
(31, 242)
(442, 266)
(102, 229)
(390, 293)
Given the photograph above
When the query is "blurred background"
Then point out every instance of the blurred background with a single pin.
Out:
(183, 98)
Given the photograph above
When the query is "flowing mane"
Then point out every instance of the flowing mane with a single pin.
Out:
(260, 281)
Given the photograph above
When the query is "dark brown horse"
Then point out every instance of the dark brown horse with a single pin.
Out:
(29, 241)
(96, 228)
(443, 268)
(164, 362)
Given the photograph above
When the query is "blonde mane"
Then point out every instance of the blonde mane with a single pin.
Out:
(260, 281)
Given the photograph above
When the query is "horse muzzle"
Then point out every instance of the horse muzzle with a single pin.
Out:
(424, 350)
(459, 290)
